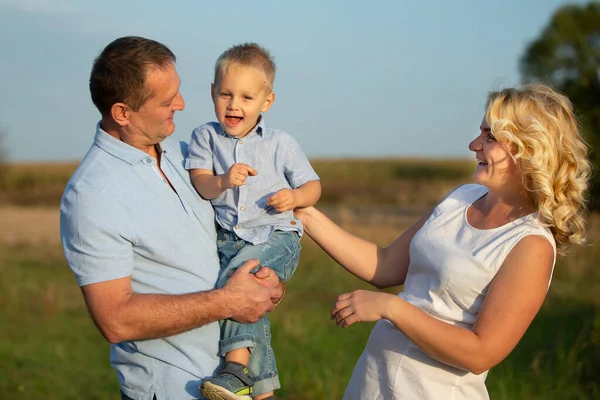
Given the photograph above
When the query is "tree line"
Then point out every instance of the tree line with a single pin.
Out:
(566, 55)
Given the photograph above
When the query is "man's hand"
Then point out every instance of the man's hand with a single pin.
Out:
(251, 295)
(237, 174)
(283, 200)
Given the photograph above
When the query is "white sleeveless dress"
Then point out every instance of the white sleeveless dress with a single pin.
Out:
(451, 267)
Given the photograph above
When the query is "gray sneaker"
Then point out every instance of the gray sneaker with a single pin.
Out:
(233, 382)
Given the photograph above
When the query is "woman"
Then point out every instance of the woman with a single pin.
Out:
(477, 268)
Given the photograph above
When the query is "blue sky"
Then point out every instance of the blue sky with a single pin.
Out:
(355, 78)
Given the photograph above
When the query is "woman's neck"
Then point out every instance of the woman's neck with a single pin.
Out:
(508, 203)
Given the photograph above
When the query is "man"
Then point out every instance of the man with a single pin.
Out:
(139, 239)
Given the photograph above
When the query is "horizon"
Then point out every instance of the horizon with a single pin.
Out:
(74, 162)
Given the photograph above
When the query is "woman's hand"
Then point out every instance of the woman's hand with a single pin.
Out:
(360, 306)
(303, 214)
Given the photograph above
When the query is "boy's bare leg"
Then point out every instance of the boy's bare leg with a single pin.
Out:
(241, 356)
(264, 396)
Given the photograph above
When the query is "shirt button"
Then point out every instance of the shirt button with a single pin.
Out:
(148, 160)
(236, 227)
(244, 184)
(292, 222)
(242, 208)
(241, 141)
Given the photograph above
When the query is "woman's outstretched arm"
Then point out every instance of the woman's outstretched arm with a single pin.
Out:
(381, 267)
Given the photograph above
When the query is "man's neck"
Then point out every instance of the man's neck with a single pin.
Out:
(122, 134)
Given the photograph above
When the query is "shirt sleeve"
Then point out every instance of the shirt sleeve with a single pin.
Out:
(95, 237)
(200, 149)
(298, 170)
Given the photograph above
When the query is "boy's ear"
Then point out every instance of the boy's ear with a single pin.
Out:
(212, 90)
(268, 102)
(120, 114)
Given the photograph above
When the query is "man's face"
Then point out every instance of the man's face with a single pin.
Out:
(153, 122)
(239, 97)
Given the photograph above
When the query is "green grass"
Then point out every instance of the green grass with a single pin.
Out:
(49, 347)
(557, 358)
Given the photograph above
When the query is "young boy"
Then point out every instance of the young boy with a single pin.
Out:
(254, 176)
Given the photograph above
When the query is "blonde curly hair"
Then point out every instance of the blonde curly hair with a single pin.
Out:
(539, 126)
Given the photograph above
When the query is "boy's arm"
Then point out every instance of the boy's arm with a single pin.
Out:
(304, 196)
(299, 175)
(308, 194)
(206, 183)
(211, 186)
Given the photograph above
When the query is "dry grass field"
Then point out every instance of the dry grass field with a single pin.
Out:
(29, 225)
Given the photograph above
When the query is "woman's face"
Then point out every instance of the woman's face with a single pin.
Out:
(495, 167)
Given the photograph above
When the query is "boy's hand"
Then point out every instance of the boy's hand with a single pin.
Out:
(237, 174)
(283, 200)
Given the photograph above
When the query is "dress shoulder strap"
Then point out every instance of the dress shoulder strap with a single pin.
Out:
(462, 196)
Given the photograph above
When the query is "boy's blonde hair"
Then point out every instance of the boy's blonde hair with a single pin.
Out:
(550, 153)
(247, 55)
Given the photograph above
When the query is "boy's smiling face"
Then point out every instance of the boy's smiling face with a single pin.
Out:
(239, 97)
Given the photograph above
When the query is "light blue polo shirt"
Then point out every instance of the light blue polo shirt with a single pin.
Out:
(280, 164)
(120, 218)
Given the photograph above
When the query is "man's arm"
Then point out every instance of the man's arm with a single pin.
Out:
(123, 315)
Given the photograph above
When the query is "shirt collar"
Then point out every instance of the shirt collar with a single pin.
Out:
(117, 148)
(260, 126)
(259, 129)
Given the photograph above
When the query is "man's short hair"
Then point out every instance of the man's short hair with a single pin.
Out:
(119, 72)
(247, 55)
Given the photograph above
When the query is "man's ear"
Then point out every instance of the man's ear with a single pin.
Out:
(120, 114)
(268, 102)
